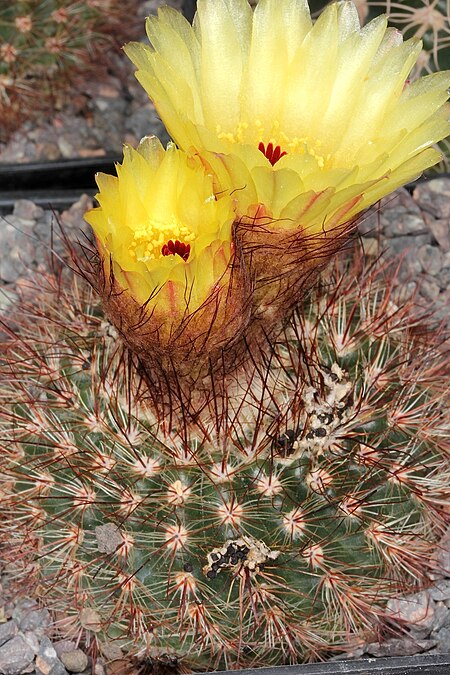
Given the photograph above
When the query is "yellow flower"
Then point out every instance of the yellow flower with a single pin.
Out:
(314, 121)
(164, 239)
(162, 225)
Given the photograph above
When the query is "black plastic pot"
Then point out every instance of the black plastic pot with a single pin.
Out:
(189, 8)
(55, 184)
(422, 664)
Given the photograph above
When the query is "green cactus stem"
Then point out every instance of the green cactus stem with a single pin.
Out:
(270, 530)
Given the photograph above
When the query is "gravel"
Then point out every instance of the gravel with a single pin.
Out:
(416, 228)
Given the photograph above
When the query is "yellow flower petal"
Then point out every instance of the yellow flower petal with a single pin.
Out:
(158, 197)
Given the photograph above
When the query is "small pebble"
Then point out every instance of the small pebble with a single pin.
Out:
(75, 661)
(47, 661)
(111, 651)
(429, 289)
(90, 619)
(398, 224)
(25, 209)
(430, 257)
(31, 638)
(22, 606)
(64, 646)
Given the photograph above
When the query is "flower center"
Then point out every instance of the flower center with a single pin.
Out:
(273, 153)
(176, 248)
(150, 242)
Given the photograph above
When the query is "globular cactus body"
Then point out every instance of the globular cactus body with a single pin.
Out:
(270, 529)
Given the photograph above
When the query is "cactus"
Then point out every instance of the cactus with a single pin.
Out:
(43, 44)
(268, 518)
(270, 529)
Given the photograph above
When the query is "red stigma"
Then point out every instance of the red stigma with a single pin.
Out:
(273, 154)
(176, 248)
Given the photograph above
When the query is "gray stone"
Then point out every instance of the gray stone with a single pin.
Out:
(144, 122)
(99, 668)
(111, 651)
(440, 229)
(47, 661)
(25, 209)
(398, 223)
(442, 636)
(64, 646)
(401, 200)
(430, 258)
(47, 229)
(441, 314)
(90, 619)
(73, 217)
(15, 656)
(403, 292)
(66, 148)
(17, 246)
(7, 631)
(18, 224)
(46, 149)
(36, 619)
(75, 661)
(443, 278)
(441, 590)
(416, 610)
(438, 618)
(429, 289)
(441, 557)
(434, 196)
(370, 223)
(101, 103)
(410, 267)
(7, 297)
(22, 606)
